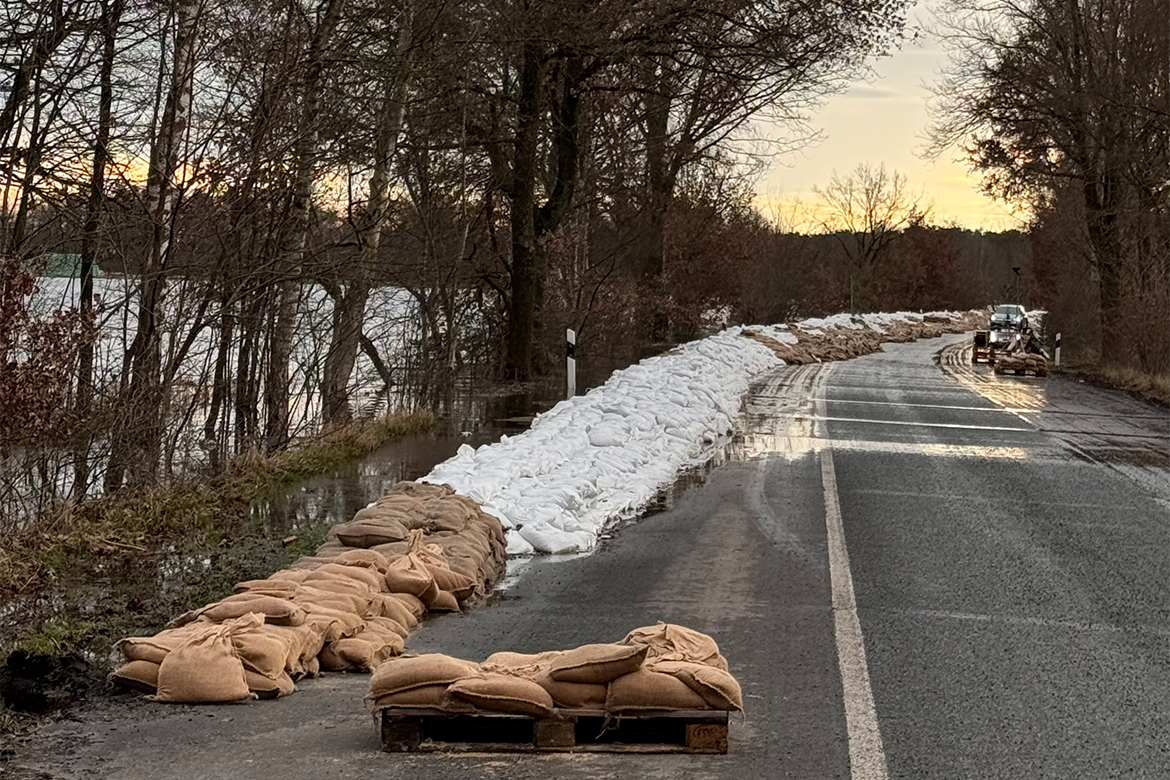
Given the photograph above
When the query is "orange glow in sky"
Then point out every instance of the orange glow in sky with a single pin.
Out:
(884, 120)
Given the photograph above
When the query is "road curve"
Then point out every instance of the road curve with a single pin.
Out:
(915, 568)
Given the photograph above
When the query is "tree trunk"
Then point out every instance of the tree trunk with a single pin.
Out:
(247, 395)
(527, 274)
(1104, 235)
(141, 440)
(110, 19)
(349, 308)
(652, 263)
(276, 394)
(221, 383)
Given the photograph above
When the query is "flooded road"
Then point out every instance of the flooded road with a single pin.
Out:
(911, 569)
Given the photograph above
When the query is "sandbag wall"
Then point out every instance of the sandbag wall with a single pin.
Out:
(840, 342)
(653, 669)
(348, 607)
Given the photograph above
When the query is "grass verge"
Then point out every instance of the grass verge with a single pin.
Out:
(1144, 385)
(137, 520)
(124, 565)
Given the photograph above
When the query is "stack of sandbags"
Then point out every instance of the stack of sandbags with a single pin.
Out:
(654, 669)
(1021, 361)
(347, 607)
(1036, 363)
(235, 659)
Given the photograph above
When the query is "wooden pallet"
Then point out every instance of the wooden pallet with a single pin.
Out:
(568, 731)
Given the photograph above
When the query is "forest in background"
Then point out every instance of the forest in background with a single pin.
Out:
(256, 174)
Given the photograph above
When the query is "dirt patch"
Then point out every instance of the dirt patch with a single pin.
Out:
(42, 682)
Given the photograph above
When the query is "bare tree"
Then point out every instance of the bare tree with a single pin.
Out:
(1055, 91)
(306, 154)
(349, 301)
(866, 210)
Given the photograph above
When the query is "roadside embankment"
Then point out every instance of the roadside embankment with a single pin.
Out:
(1142, 384)
(75, 581)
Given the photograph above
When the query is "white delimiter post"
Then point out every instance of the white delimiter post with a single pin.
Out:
(570, 363)
(1056, 353)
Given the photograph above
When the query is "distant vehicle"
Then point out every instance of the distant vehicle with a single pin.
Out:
(1007, 322)
(1009, 316)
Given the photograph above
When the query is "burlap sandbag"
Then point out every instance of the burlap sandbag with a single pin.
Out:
(409, 575)
(458, 585)
(289, 575)
(268, 587)
(205, 669)
(717, 687)
(411, 602)
(262, 653)
(577, 696)
(527, 665)
(155, 648)
(371, 579)
(669, 642)
(395, 509)
(278, 611)
(421, 489)
(386, 625)
(311, 562)
(139, 676)
(362, 653)
(645, 690)
(333, 624)
(303, 643)
(438, 600)
(331, 549)
(425, 697)
(444, 517)
(268, 687)
(367, 533)
(395, 609)
(504, 693)
(335, 583)
(349, 601)
(597, 664)
(475, 572)
(371, 559)
(407, 672)
(393, 550)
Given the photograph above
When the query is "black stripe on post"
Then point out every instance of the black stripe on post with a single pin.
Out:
(570, 349)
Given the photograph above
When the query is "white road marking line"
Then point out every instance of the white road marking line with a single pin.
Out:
(924, 424)
(867, 757)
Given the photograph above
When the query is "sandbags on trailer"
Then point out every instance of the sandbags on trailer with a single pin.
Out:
(1021, 363)
(348, 607)
(654, 669)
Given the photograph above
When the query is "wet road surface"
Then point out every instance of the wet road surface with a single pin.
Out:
(1007, 555)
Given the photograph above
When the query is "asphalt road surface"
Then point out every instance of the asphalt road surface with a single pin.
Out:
(916, 570)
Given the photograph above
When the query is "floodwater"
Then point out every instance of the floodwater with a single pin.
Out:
(125, 591)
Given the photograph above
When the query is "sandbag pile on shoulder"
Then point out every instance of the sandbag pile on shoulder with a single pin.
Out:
(348, 607)
(656, 668)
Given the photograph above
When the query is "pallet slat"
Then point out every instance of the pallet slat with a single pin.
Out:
(568, 731)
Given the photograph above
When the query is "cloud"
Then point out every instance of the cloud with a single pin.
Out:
(868, 92)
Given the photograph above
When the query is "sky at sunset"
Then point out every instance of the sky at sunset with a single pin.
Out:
(885, 120)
